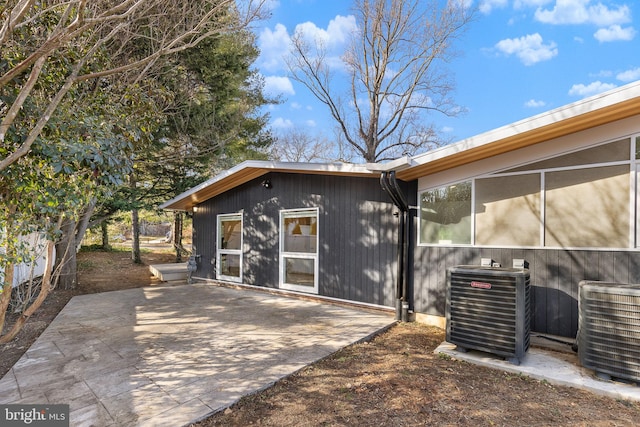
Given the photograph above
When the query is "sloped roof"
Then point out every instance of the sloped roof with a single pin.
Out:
(251, 169)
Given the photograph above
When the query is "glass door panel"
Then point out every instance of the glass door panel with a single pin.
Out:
(299, 250)
(229, 246)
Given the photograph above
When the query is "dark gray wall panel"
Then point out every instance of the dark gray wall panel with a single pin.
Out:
(357, 232)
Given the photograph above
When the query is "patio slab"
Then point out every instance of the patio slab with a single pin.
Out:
(172, 355)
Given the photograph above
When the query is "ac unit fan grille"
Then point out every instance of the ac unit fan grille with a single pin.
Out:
(492, 318)
(609, 337)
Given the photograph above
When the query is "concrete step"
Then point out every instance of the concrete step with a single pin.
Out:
(170, 272)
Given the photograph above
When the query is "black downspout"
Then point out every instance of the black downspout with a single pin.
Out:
(390, 185)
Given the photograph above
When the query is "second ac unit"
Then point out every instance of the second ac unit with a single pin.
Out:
(609, 329)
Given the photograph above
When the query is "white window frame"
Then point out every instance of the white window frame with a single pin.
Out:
(292, 213)
(634, 201)
(220, 251)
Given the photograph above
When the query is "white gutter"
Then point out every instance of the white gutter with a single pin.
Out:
(399, 164)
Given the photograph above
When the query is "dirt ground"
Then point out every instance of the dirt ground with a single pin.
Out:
(393, 380)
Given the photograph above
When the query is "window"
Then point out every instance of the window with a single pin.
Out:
(583, 199)
(588, 207)
(299, 250)
(507, 210)
(229, 251)
(445, 215)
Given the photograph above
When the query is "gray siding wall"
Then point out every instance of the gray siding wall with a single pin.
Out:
(357, 233)
(555, 275)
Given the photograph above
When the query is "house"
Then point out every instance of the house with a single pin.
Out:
(323, 229)
(558, 190)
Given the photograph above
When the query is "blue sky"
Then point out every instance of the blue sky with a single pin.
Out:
(519, 58)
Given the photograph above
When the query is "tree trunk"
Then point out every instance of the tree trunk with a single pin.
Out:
(135, 224)
(5, 296)
(105, 236)
(44, 292)
(83, 221)
(8, 266)
(66, 253)
(135, 237)
(177, 235)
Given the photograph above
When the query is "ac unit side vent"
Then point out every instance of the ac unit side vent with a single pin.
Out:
(609, 329)
(489, 309)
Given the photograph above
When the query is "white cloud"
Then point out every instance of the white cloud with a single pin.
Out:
(533, 103)
(464, 3)
(614, 33)
(296, 105)
(486, 6)
(530, 48)
(273, 44)
(583, 12)
(280, 123)
(276, 85)
(629, 75)
(311, 123)
(446, 129)
(590, 89)
(601, 74)
(332, 40)
(336, 35)
(518, 4)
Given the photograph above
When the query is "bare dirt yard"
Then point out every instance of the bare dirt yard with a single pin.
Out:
(393, 380)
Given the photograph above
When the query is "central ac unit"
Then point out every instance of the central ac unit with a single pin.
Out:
(489, 309)
(609, 329)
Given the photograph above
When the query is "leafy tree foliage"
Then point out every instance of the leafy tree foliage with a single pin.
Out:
(75, 109)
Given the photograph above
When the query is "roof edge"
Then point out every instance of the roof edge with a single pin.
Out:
(265, 166)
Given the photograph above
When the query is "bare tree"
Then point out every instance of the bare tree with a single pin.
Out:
(136, 33)
(296, 145)
(395, 66)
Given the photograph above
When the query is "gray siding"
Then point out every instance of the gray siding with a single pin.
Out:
(357, 232)
(555, 275)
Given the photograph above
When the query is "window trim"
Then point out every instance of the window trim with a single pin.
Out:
(283, 255)
(220, 251)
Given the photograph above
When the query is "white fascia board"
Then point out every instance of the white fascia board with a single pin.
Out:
(575, 109)
(337, 167)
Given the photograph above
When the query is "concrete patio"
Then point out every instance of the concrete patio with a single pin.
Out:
(171, 355)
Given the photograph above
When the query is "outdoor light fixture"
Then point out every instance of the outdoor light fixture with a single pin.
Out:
(195, 209)
(266, 183)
